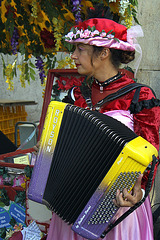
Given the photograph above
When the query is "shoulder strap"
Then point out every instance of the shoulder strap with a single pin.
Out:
(128, 88)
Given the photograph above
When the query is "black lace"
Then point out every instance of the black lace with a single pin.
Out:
(148, 104)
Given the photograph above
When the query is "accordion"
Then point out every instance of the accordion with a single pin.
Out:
(84, 157)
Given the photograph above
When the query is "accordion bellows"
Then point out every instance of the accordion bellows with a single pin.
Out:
(84, 157)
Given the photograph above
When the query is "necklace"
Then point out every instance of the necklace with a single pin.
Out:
(107, 82)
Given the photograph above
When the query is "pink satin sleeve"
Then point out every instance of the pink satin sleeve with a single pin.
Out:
(123, 116)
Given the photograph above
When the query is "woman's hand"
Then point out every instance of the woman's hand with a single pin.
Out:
(36, 148)
(126, 199)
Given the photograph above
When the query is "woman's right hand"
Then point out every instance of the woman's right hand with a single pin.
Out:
(36, 148)
(126, 199)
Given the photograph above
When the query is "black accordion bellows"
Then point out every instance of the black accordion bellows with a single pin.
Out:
(88, 144)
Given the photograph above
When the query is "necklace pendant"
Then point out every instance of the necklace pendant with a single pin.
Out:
(101, 89)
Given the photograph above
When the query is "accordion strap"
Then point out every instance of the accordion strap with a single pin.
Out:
(135, 106)
(128, 88)
(147, 190)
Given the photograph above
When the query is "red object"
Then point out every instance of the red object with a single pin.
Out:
(11, 191)
(16, 236)
(107, 25)
(47, 96)
(11, 154)
(47, 38)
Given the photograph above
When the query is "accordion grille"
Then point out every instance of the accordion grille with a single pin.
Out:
(88, 144)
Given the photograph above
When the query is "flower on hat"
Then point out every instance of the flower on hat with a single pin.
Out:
(90, 32)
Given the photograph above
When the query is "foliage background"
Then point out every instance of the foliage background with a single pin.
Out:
(35, 29)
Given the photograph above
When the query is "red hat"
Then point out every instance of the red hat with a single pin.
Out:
(104, 33)
(102, 24)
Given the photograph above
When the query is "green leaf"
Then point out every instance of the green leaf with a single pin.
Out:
(28, 171)
(68, 46)
(20, 197)
(12, 222)
(26, 68)
(129, 9)
(32, 71)
(22, 48)
(136, 20)
(32, 76)
(4, 66)
(93, 28)
(134, 2)
(20, 21)
(2, 204)
(116, 39)
(74, 30)
(31, 64)
(3, 232)
(47, 23)
(11, 28)
(4, 197)
(111, 31)
(53, 63)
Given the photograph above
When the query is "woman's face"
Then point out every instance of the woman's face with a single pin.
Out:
(82, 56)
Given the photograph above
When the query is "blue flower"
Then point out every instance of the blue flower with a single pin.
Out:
(77, 9)
(39, 65)
(14, 41)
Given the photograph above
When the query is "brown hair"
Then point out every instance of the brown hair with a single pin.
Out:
(117, 56)
(120, 56)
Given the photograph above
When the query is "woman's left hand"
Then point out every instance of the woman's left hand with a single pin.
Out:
(126, 199)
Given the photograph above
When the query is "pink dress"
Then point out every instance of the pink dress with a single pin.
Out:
(140, 227)
(137, 225)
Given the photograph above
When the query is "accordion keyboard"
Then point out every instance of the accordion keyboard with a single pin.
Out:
(107, 209)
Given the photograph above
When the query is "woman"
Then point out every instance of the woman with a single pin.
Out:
(101, 45)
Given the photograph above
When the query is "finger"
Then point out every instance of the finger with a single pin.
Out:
(124, 199)
(130, 199)
(120, 201)
(116, 201)
(138, 182)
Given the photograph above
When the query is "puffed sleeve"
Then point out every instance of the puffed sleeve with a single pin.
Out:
(146, 124)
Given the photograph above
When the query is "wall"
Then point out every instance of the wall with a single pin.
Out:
(149, 71)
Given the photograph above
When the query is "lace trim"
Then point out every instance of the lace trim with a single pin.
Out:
(148, 104)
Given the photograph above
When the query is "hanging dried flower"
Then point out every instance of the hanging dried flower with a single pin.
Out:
(58, 32)
(34, 9)
(123, 6)
(9, 73)
(66, 62)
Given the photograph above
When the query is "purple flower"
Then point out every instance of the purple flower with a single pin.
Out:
(39, 65)
(77, 10)
(14, 41)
